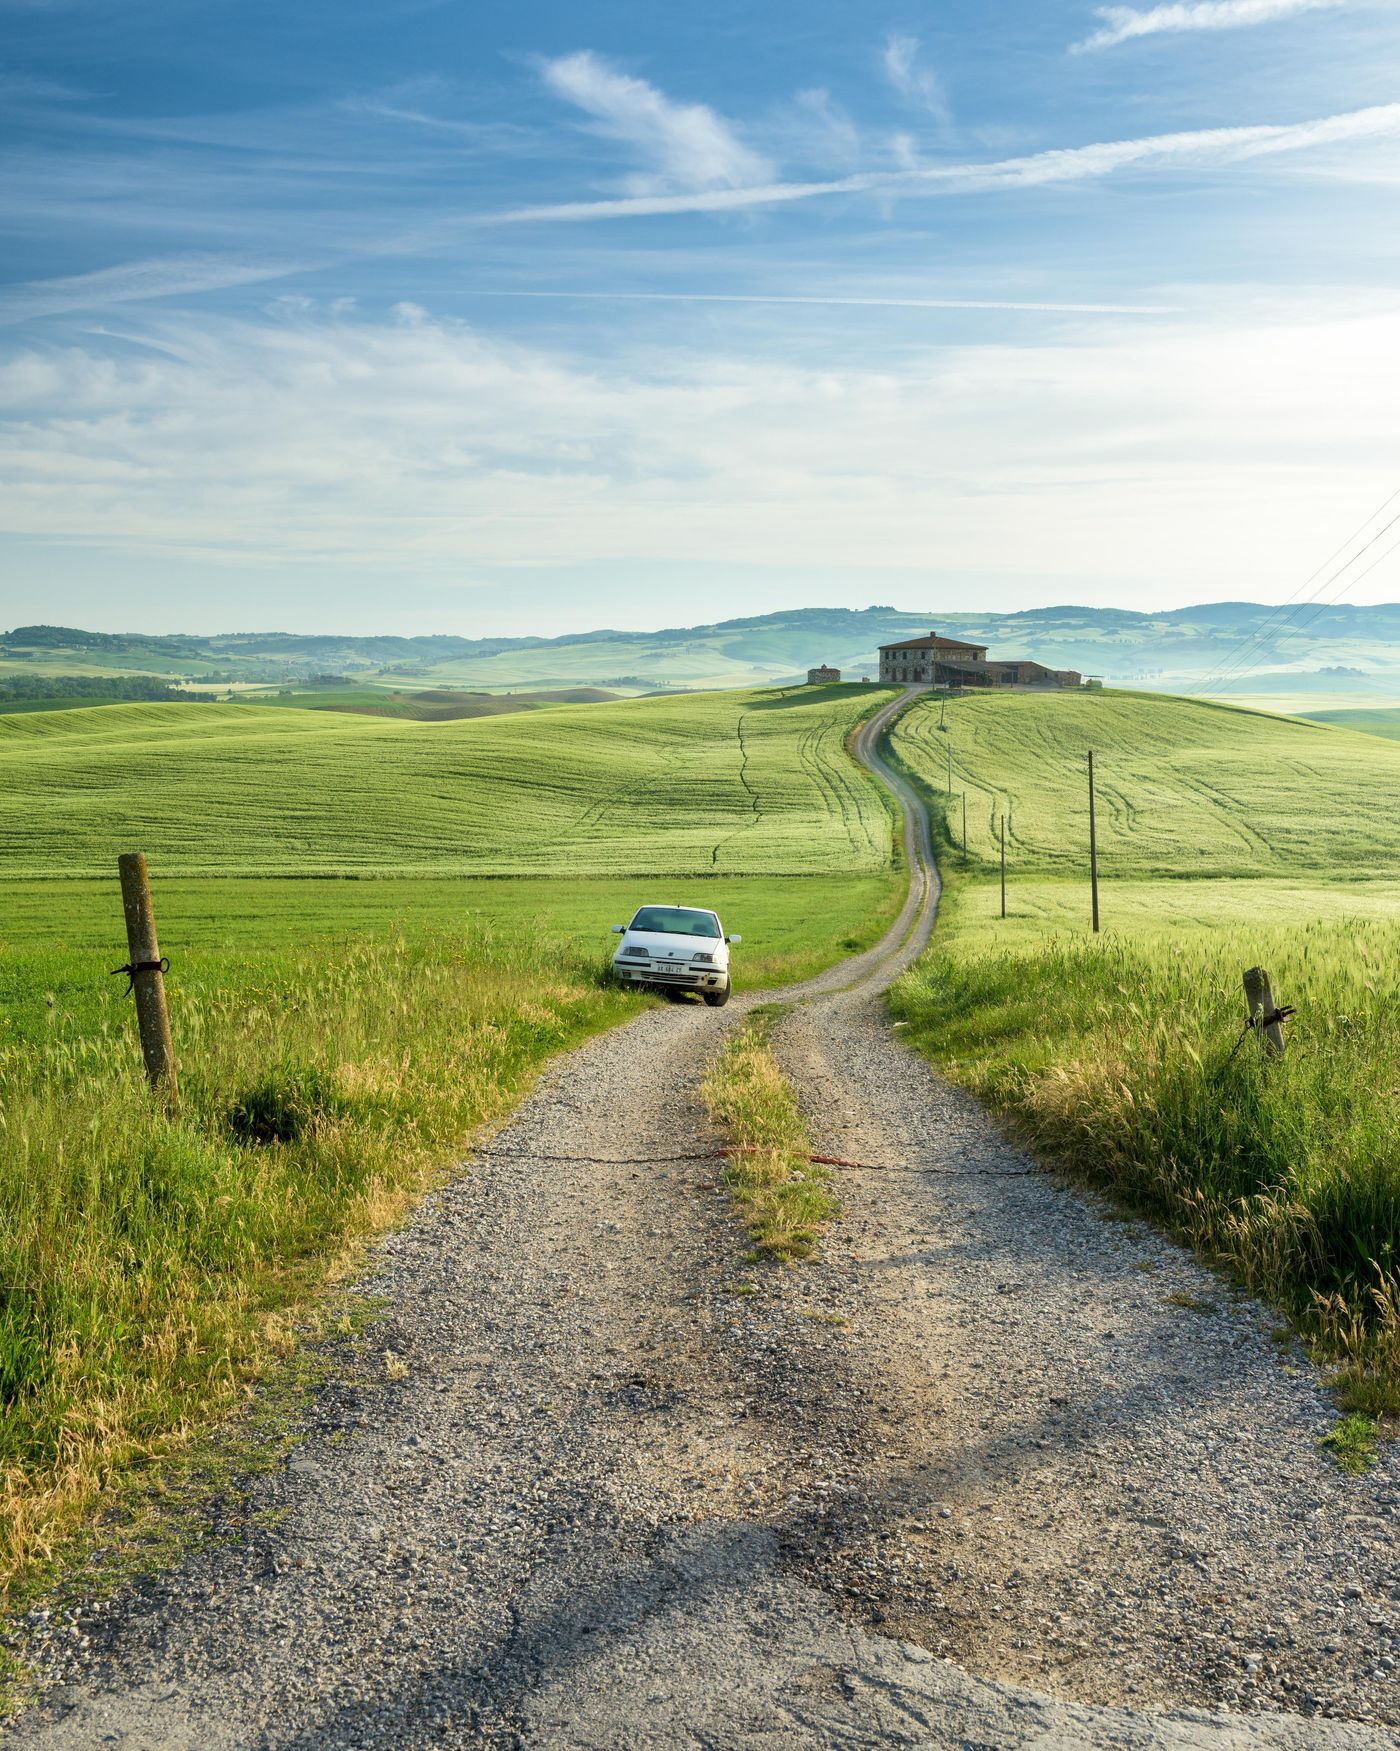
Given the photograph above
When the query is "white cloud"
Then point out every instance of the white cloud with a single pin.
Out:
(920, 84)
(1193, 466)
(1122, 24)
(1204, 146)
(687, 144)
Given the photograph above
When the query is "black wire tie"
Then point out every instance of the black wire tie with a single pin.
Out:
(132, 968)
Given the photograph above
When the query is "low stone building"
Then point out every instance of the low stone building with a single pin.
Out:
(820, 676)
(935, 661)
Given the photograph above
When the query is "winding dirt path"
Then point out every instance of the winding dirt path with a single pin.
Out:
(968, 1481)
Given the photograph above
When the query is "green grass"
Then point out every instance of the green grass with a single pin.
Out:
(783, 1197)
(1382, 722)
(1352, 1443)
(710, 784)
(59, 940)
(1120, 1055)
(1184, 789)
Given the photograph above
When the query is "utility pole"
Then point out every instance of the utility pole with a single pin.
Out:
(1093, 847)
(1002, 820)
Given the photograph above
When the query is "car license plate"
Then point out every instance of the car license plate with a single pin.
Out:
(670, 966)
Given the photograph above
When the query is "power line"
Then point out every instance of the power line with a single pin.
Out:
(1260, 632)
(1321, 609)
(1237, 662)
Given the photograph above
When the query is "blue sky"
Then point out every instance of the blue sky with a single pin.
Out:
(423, 317)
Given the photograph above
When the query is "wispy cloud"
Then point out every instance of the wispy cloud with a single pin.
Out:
(1036, 306)
(913, 80)
(1121, 24)
(133, 282)
(1203, 146)
(688, 145)
(348, 442)
(29, 88)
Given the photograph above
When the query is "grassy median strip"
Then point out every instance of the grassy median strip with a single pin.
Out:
(784, 1197)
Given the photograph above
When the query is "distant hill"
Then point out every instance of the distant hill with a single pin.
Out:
(1344, 649)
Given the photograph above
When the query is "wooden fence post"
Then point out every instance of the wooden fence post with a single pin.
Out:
(1265, 1016)
(146, 971)
(1093, 847)
(964, 838)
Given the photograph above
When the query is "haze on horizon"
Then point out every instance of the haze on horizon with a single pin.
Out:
(399, 317)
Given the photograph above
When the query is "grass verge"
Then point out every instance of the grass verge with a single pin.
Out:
(784, 1198)
(151, 1264)
(1121, 1057)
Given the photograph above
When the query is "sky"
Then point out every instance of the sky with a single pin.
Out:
(413, 316)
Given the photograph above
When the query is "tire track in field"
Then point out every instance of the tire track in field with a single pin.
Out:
(756, 807)
(810, 749)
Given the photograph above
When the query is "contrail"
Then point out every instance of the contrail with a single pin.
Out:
(857, 303)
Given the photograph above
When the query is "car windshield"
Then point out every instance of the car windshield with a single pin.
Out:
(675, 921)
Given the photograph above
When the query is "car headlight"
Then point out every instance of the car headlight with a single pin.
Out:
(698, 957)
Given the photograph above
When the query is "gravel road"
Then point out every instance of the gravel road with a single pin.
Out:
(970, 1480)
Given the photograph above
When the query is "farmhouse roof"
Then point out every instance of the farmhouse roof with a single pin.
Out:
(932, 641)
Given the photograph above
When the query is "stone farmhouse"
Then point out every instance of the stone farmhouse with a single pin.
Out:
(822, 675)
(950, 662)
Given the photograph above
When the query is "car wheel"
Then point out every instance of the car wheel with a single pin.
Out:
(718, 999)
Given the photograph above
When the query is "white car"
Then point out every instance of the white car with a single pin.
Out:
(675, 949)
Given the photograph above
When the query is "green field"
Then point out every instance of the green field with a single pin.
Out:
(1226, 840)
(1381, 722)
(1184, 789)
(719, 783)
(379, 930)
(59, 940)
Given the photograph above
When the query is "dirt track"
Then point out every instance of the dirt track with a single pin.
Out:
(971, 1480)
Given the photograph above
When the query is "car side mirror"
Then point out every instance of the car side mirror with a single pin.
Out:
(733, 939)
(618, 929)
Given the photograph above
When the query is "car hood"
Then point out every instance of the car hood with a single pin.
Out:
(680, 948)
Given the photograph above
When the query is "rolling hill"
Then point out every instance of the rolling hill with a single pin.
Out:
(1342, 651)
(1184, 788)
(712, 784)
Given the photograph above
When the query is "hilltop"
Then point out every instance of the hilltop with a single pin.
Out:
(1185, 788)
(1341, 649)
